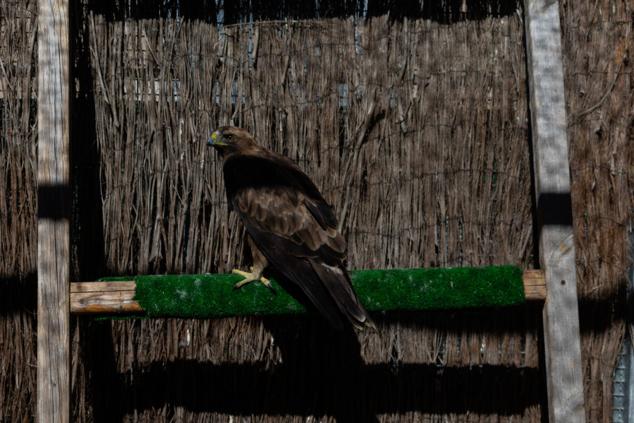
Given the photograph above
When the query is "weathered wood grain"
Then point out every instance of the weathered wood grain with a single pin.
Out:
(83, 287)
(53, 346)
(534, 285)
(556, 243)
(103, 297)
(114, 302)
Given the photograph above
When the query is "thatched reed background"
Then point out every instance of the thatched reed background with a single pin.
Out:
(18, 233)
(598, 45)
(415, 126)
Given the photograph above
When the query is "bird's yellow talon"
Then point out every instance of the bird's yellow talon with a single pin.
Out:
(266, 282)
(241, 273)
(250, 277)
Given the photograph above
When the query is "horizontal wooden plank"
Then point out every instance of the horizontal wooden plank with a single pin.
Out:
(118, 297)
(104, 302)
(534, 285)
(102, 286)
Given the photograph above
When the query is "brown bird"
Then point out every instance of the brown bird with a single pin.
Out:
(290, 227)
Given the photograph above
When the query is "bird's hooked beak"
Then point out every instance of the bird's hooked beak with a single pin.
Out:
(216, 140)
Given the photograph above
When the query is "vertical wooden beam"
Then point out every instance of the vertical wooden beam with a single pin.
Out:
(556, 242)
(53, 382)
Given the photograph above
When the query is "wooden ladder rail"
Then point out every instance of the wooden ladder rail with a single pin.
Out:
(554, 210)
(53, 215)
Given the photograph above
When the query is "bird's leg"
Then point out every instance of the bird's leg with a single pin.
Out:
(259, 263)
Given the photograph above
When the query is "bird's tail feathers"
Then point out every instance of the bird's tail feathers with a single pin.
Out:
(337, 283)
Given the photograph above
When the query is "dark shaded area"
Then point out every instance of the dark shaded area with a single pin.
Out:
(490, 320)
(597, 315)
(629, 288)
(554, 209)
(536, 228)
(348, 392)
(18, 294)
(87, 237)
(204, 10)
(53, 201)
(230, 12)
(543, 398)
(322, 374)
(445, 12)
(97, 354)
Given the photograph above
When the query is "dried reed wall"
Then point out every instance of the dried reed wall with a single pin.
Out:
(598, 46)
(415, 128)
(18, 234)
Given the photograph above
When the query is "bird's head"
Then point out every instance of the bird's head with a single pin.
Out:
(230, 140)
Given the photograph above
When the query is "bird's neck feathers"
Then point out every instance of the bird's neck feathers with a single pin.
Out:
(243, 151)
(248, 149)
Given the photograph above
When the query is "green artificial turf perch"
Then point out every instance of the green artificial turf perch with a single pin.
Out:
(213, 295)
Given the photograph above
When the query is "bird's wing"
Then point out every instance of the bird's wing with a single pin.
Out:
(296, 231)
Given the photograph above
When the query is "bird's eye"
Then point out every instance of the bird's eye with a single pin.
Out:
(228, 137)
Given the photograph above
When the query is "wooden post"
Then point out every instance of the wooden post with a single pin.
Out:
(556, 242)
(53, 382)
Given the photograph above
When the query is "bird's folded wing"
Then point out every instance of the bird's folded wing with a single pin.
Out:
(287, 227)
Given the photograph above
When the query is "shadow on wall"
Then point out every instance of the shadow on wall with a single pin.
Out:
(321, 374)
(231, 12)
(87, 237)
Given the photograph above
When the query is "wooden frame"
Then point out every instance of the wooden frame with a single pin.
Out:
(53, 227)
(548, 120)
(554, 211)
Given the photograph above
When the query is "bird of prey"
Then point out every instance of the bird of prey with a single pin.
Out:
(289, 225)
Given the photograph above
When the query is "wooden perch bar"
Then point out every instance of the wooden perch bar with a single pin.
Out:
(103, 297)
(534, 285)
(118, 297)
